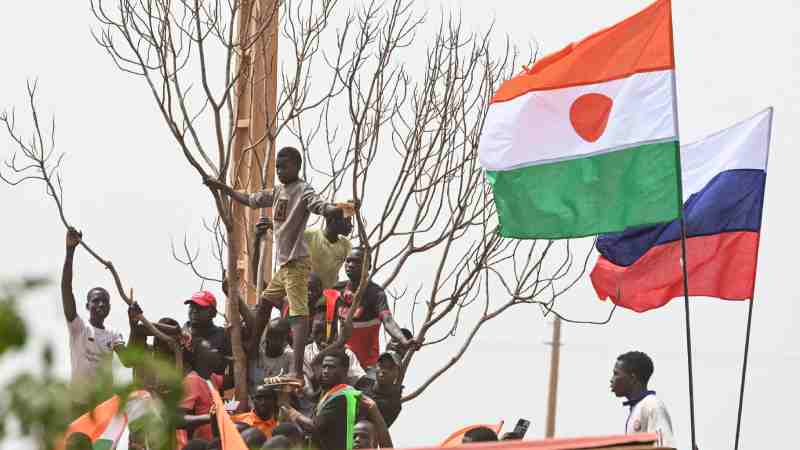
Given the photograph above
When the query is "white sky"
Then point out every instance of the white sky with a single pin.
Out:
(130, 190)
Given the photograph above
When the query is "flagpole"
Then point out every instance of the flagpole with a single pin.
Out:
(744, 373)
(683, 236)
(752, 298)
(688, 323)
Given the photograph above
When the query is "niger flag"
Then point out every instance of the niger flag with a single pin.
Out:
(585, 141)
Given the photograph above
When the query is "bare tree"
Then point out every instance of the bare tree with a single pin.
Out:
(36, 160)
(409, 150)
(193, 57)
(369, 112)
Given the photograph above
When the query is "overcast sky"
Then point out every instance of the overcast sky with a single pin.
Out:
(130, 190)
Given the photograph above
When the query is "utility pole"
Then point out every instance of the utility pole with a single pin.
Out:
(253, 160)
(552, 392)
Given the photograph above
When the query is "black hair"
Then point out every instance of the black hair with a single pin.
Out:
(197, 444)
(341, 358)
(169, 321)
(288, 430)
(638, 364)
(102, 290)
(481, 434)
(292, 153)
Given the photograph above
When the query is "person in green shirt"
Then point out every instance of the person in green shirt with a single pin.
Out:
(329, 247)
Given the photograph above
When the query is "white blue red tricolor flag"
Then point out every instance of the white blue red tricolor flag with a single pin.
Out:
(723, 179)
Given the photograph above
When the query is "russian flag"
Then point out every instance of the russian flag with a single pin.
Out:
(723, 180)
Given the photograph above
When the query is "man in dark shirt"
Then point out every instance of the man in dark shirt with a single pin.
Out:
(386, 391)
(368, 317)
(332, 423)
(338, 409)
(202, 309)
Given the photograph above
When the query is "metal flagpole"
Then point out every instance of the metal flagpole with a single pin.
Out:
(683, 235)
(750, 305)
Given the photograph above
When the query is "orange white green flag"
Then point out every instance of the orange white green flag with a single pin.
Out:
(105, 425)
(585, 141)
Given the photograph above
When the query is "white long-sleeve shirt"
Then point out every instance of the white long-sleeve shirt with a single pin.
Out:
(650, 415)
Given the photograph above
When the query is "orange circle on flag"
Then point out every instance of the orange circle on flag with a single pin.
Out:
(589, 115)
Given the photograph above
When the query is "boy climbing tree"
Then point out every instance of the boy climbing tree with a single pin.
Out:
(292, 203)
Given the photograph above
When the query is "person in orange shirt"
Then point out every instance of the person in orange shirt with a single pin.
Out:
(264, 413)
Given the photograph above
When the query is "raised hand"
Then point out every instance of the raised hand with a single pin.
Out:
(73, 238)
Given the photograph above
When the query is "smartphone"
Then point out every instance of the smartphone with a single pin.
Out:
(521, 428)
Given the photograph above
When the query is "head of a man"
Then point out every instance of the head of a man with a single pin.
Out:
(287, 164)
(395, 346)
(276, 337)
(631, 374)
(98, 303)
(162, 348)
(265, 402)
(388, 369)
(364, 435)
(479, 434)
(253, 437)
(353, 263)
(338, 225)
(206, 358)
(333, 370)
(202, 309)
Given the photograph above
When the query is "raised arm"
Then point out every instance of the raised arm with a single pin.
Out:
(261, 199)
(130, 354)
(390, 325)
(316, 205)
(67, 297)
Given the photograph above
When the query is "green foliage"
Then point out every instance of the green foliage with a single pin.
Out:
(13, 333)
(40, 406)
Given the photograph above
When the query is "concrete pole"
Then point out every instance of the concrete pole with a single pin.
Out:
(552, 392)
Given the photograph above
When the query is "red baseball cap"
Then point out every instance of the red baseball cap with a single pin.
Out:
(203, 298)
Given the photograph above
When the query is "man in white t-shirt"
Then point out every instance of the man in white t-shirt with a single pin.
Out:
(90, 344)
(647, 413)
(355, 372)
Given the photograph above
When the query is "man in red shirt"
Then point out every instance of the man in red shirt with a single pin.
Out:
(371, 313)
(197, 401)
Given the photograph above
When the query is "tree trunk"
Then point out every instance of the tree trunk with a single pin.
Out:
(234, 319)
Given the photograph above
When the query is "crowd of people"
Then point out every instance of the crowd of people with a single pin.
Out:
(303, 390)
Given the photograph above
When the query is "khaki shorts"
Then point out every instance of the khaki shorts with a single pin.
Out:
(291, 281)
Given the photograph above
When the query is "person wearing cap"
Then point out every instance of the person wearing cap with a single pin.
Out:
(292, 203)
(387, 392)
(264, 413)
(372, 312)
(202, 310)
